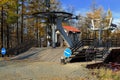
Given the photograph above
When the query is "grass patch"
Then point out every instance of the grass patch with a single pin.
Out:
(106, 74)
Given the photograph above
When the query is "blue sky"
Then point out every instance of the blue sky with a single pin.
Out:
(83, 6)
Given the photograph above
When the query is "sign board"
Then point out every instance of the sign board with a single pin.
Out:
(3, 51)
(67, 52)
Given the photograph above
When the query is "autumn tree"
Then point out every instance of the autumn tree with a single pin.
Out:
(8, 17)
(36, 6)
(83, 24)
(101, 20)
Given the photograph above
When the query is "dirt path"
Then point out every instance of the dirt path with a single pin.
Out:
(42, 64)
(41, 54)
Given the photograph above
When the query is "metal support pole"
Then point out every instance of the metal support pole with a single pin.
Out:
(63, 33)
(53, 36)
(100, 34)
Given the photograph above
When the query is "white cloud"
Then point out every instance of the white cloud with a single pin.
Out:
(116, 17)
(116, 20)
(116, 14)
(81, 11)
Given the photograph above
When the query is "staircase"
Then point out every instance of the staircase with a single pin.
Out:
(101, 54)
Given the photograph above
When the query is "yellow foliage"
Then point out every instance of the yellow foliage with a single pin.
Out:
(64, 24)
(41, 29)
(10, 2)
(109, 14)
(116, 34)
(106, 74)
(100, 19)
(95, 15)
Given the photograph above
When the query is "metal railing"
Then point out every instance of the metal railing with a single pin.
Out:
(21, 48)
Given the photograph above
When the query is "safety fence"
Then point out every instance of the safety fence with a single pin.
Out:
(21, 47)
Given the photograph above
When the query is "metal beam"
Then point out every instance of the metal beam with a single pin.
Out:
(63, 33)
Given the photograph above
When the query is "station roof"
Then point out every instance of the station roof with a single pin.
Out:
(72, 29)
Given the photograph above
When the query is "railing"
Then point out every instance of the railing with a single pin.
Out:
(115, 42)
(21, 47)
(114, 56)
(76, 46)
(88, 41)
(110, 42)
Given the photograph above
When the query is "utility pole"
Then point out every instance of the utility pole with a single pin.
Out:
(100, 36)
(7, 36)
(2, 28)
(22, 23)
(17, 24)
(37, 24)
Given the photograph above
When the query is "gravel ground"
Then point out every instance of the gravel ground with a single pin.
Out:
(18, 70)
(28, 69)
